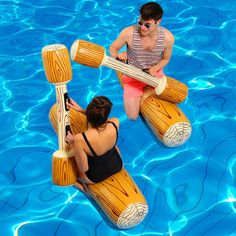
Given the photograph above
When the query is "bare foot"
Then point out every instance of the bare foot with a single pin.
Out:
(81, 187)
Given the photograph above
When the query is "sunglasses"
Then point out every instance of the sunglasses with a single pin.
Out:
(147, 25)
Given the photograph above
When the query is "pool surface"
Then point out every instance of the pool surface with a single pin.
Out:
(191, 189)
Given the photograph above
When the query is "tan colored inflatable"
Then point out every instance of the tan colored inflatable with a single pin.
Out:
(58, 71)
(118, 195)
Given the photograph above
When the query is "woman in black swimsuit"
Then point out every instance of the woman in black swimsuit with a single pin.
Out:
(96, 153)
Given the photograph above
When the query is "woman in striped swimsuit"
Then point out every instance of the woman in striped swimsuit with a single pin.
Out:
(149, 47)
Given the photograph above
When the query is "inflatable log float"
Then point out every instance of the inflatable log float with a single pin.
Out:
(165, 119)
(93, 55)
(118, 196)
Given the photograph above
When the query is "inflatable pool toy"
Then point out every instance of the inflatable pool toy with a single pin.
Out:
(166, 120)
(93, 55)
(118, 196)
(159, 110)
(58, 71)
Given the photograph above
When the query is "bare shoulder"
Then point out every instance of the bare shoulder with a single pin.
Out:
(115, 120)
(78, 140)
(127, 32)
(169, 37)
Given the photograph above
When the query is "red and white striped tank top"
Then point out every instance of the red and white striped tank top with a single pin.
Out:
(141, 58)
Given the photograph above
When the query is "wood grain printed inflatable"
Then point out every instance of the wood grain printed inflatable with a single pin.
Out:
(118, 196)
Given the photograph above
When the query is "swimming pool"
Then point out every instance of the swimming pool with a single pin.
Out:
(191, 189)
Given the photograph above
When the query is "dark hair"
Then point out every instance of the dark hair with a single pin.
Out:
(98, 111)
(151, 10)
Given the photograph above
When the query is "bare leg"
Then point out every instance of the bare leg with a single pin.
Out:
(132, 107)
(81, 182)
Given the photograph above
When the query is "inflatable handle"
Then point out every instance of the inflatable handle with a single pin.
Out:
(66, 98)
(67, 129)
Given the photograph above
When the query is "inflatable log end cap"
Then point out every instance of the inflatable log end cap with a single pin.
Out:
(74, 49)
(177, 134)
(53, 47)
(133, 215)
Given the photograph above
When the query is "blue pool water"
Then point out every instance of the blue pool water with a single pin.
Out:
(191, 189)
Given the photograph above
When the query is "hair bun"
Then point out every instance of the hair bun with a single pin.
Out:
(98, 103)
(98, 110)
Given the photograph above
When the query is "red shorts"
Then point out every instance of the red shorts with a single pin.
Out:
(133, 87)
